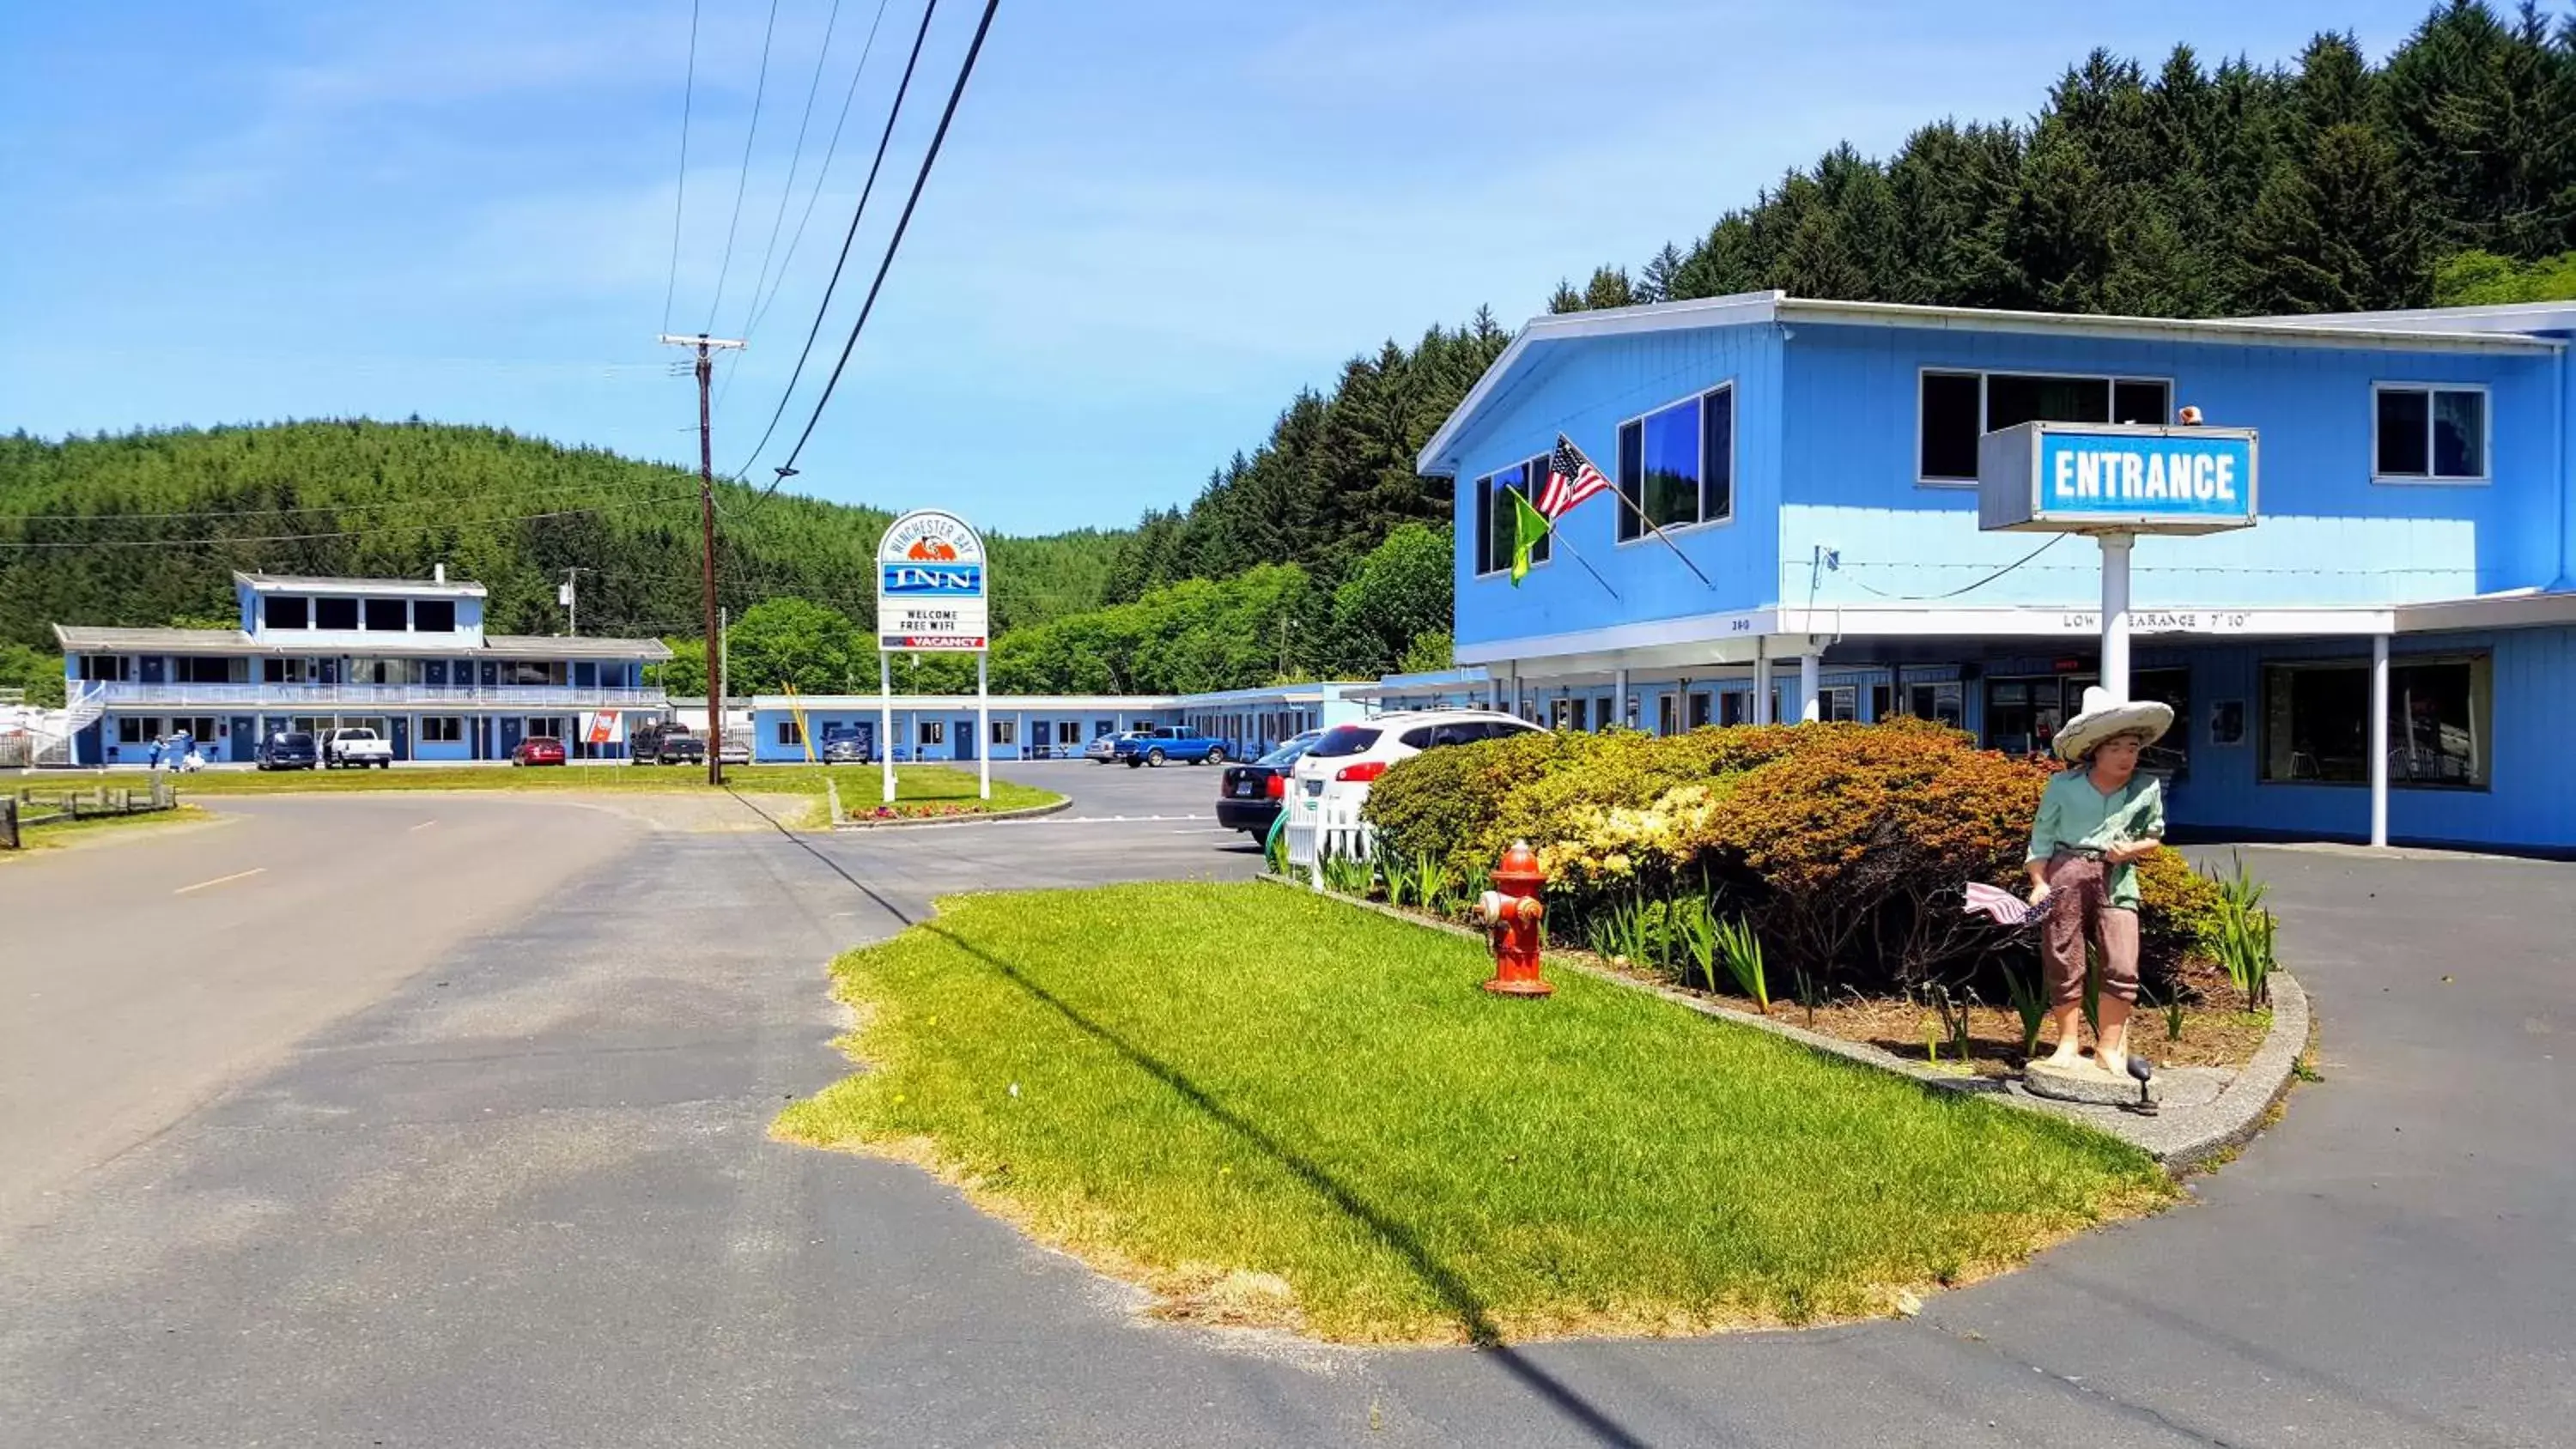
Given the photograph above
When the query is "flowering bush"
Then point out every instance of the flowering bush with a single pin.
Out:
(1846, 845)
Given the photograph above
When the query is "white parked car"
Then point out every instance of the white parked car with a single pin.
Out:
(1105, 749)
(1336, 774)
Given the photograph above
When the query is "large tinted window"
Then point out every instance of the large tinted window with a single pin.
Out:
(386, 615)
(1345, 740)
(335, 613)
(1665, 465)
(2431, 433)
(1717, 456)
(1496, 519)
(1953, 416)
(1960, 407)
(2012, 400)
(286, 611)
(433, 616)
(1291, 752)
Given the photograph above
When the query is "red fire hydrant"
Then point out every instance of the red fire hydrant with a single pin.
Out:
(1512, 911)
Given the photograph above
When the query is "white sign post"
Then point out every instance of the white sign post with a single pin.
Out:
(2115, 481)
(931, 593)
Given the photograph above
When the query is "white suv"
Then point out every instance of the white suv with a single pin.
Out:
(1338, 771)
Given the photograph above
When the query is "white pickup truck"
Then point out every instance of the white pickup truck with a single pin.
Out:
(356, 749)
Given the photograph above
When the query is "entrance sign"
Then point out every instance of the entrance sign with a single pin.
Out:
(931, 585)
(931, 596)
(2092, 477)
(603, 727)
(2115, 481)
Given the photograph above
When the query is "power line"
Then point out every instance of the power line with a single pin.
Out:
(865, 191)
(759, 89)
(343, 532)
(831, 148)
(920, 180)
(679, 199)
(795, 159)
(430, 501)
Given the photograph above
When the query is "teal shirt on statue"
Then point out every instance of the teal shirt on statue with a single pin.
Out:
(2074, 815)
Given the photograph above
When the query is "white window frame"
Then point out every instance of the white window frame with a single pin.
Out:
(1699, 434)
(931, 732)
(442, 729)
(1006, 732)
(1535, 485)
(2429, 479)
(2111, 385)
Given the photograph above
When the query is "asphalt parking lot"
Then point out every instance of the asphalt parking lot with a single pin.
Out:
(500, 1175)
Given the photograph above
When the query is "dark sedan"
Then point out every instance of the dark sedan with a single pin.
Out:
(1249, 799)
(537, 750)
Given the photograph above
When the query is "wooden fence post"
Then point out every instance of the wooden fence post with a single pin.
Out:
(8, 822)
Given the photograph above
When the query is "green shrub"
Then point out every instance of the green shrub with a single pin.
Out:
(1444, 802)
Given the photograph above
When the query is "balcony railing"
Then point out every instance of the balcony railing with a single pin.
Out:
(306, 697)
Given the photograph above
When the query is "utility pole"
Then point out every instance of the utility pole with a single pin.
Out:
(707, 347)
(716, 663)
(570, 597)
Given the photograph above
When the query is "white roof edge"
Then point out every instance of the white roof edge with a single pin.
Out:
(305, 583)
(2488, 317)
(1724, 311)
(2193, 329)
(869, 703)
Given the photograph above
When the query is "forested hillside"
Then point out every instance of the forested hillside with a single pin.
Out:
(147, 528)
(2327, 185)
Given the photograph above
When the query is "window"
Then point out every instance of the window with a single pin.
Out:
(532, 671)
(2316, 722)
(790, 733)
(1735, 708)
(545, 727)
(1699, 703)
(289, 611)
(1006, 732)
(433, 616)
(2430, 433)
(1944, 702)
(441, 729)
(197, 669)
(934, 732)
(1068, 732)
(1678, 464)
(1958, 408)
(1839, 704)
(135, 729)
(335, 613)
(111, 667)
(387, 616)
(1496, 530)
(198, 728)
(1667, 714)
(2172, 754)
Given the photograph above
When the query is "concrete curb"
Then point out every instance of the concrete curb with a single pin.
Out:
(1025, 812)
(2179, 1140)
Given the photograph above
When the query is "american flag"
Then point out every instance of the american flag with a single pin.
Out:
(1571, 478)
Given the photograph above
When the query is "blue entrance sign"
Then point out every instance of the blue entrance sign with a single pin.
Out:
(2098, 477)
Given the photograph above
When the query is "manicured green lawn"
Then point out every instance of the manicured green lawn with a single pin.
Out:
(918, 788)
(1270, 1107)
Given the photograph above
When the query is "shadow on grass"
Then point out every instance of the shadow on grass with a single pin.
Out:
(1462, 1301)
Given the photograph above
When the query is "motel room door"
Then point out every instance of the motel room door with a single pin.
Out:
(962, 731)
(244, 739)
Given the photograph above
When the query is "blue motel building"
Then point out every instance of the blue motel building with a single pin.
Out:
(408, 658)
(1799, 539)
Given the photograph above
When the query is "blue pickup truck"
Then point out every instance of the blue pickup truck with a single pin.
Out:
(1167, 742)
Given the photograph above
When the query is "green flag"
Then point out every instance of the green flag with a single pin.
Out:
(1528, 527)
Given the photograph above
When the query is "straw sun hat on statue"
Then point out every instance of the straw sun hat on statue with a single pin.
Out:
(2104, 719)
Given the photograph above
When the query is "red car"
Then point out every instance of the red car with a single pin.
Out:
(537, 750)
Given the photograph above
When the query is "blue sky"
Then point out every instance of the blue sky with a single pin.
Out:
(1152, 223)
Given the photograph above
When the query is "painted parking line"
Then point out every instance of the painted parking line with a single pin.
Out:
(222, 880)
(424, 825)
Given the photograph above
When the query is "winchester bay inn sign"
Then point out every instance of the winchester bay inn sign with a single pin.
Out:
(930, 584)
(2100, 477)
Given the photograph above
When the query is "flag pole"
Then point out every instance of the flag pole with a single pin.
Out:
(1579, 558)
(1567, 444)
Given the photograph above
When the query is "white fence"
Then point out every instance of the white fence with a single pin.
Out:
(1334, 830)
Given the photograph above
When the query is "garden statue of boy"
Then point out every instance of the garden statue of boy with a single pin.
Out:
(2097, 819)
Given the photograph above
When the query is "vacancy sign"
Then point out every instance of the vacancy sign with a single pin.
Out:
(931, 585)
(2105, 477)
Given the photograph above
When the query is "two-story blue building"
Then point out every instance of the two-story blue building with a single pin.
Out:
(408, 658)
(1803, 542)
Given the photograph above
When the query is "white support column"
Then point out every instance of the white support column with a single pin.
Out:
(885, 720)
(2379, 740)
(1619, 695)
(983, 728)
(2115, 614)
(1020, 735)
(1810, 687)
(1765, 698)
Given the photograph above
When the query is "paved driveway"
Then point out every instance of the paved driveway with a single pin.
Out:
(525, 1197)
